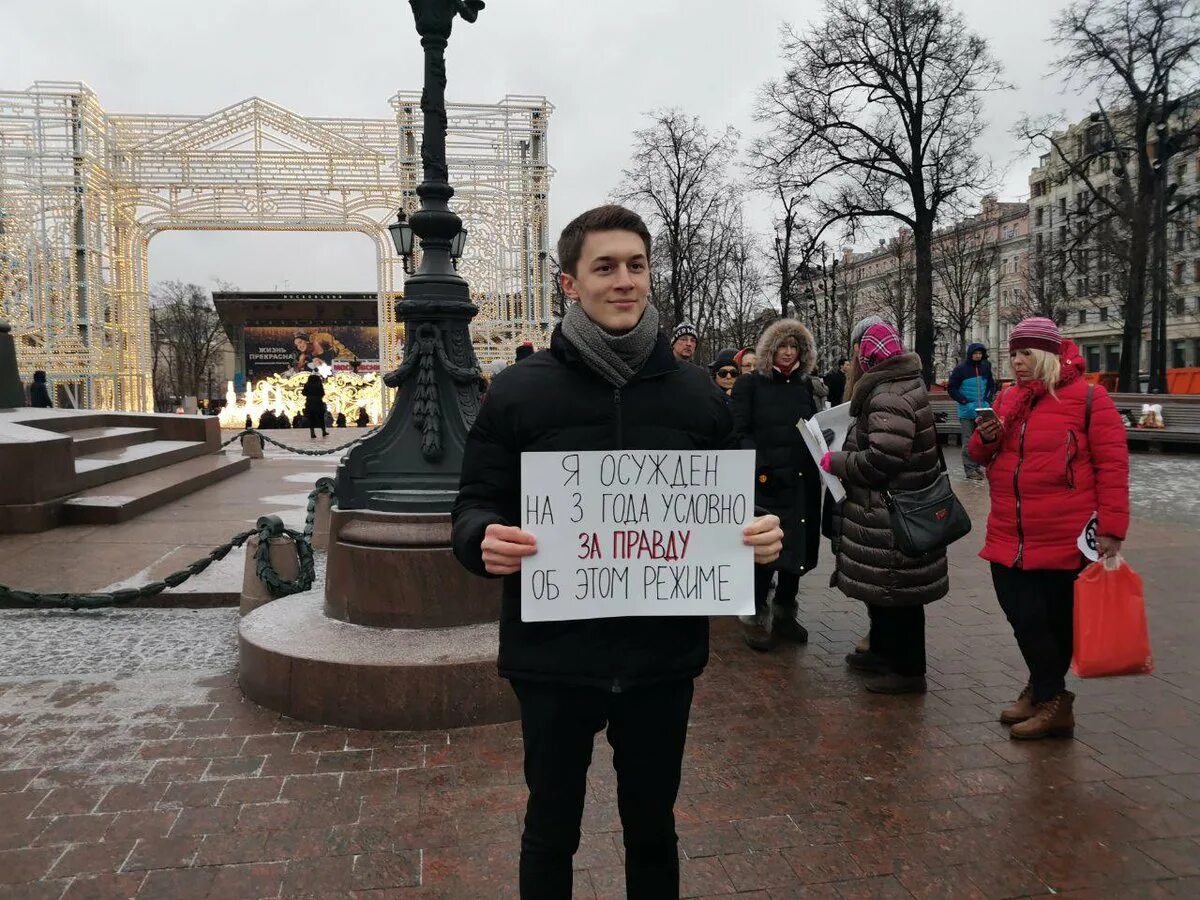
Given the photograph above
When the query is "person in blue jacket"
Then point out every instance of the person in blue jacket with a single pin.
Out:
(971, 386)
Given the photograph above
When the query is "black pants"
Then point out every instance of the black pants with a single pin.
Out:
(898, 635)
(647, 728)
(1040, 606)
(786, 589)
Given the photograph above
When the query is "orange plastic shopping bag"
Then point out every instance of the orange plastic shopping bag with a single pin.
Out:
(1111, 637)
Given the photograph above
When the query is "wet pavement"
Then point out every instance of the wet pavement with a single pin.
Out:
(131, 766)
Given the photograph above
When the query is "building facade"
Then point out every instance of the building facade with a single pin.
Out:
(1083, 262)
(980, 272)
(1046, 257)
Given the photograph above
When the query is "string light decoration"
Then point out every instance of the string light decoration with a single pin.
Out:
(84, 191)
(345, 392)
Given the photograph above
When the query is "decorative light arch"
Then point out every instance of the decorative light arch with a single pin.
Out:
(83, 191)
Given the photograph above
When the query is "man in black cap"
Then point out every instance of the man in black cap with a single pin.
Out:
(683, 342)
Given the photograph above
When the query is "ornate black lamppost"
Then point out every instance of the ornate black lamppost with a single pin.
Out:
(412, 465)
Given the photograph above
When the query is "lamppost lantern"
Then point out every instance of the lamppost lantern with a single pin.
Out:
(458, 245)
(402, 237)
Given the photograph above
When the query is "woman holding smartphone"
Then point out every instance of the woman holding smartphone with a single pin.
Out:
(1056, 453)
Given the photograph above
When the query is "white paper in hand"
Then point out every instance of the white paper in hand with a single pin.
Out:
(1088, 544)
(815, 442)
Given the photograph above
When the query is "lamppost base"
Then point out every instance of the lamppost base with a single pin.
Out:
(402, 637)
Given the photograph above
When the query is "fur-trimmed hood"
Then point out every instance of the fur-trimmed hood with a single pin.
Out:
(775, 335)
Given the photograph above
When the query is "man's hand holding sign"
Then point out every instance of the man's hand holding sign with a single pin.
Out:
(504, 546)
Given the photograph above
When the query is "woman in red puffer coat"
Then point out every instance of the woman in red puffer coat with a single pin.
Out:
(1056, 454)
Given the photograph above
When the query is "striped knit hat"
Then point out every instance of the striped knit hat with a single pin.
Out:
(880, 342)
(1036, 334)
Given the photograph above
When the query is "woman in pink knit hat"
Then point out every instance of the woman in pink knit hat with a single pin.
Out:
(1056, 454)
(891, 446)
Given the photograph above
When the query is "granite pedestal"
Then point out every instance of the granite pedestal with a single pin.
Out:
(400, 638)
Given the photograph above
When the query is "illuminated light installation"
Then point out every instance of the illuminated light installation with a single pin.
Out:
(345, 392)
(83, 191)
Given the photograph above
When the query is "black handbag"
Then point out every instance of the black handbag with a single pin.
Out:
(929, 519)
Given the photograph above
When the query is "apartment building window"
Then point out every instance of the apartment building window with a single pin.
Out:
(1112, 357)
(1181, 173)
(1179, 273)
(1180, 236)
(1178, 354)
(1038, 242)
(1038, 188)
(1104, 284)
(1062, 234)
(1196, 271)
(1083, 317)
(1179, 305)
(1104, 314)
(1062, 206)
(1092, 354)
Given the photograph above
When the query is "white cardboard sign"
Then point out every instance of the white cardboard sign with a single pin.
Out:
(637, 533)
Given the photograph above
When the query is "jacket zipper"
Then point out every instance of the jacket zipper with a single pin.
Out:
(1017, 492)
(616, 684)
(617, 416)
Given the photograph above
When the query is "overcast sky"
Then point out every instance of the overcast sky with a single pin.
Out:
(602, 63)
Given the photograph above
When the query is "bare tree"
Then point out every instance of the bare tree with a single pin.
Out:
(1142, 57)
(678, 179)
(1043, 291)
(895, 295)
(741, 312)
(963, 260)
(186, 336)
(882, 104)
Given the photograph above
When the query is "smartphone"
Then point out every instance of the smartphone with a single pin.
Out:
(985, 414)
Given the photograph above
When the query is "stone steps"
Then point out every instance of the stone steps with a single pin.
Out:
(124, 462)
(117, 501)
(89, 441)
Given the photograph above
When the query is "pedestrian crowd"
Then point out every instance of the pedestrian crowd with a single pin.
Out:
(1051, 448)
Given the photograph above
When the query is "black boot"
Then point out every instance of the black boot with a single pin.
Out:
(891, 683)
(866, 661)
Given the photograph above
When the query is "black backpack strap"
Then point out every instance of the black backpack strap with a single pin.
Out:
(1087, 410)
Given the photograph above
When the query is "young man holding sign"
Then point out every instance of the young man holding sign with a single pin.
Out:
(608, 382)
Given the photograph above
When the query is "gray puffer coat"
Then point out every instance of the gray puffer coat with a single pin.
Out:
(892, 446)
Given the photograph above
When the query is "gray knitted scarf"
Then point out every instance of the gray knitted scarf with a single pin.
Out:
(614, 357)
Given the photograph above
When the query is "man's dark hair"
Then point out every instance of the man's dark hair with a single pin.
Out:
(602, 218)
(841, 361)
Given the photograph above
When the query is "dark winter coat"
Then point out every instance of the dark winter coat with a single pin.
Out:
(766, 407)
(835, 380)
(971, 383)
(1050, 474)
(39, 393)
(553, 402)
(314, 401)
(891, 446)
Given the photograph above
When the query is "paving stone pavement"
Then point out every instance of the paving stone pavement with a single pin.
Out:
(133, 767)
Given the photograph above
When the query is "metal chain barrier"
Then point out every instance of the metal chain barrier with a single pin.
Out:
(267, 439)
(266, 528)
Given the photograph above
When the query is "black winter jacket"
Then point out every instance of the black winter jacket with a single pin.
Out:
(766, 409)
(553, 402)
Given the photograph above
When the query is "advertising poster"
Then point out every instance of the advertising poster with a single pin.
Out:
(271, 349)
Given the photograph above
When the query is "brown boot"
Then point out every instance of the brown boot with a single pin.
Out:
(1021, 710)
(1054, 718)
